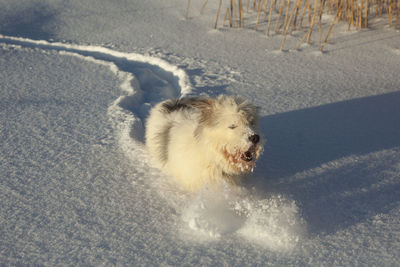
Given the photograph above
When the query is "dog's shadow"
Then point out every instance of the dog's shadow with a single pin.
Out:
(323, 157)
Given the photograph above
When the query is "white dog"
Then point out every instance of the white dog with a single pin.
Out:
(203, 141)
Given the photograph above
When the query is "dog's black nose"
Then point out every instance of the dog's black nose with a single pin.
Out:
(255, 138)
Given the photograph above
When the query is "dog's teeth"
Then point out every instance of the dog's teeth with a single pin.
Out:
(241, 167)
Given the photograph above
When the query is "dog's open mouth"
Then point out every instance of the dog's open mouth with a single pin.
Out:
(249, 155)
(243, 161)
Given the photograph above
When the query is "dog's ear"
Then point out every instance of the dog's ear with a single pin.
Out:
(203, 104)
(206, 107)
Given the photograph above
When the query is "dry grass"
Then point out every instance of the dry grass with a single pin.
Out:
(308, 16)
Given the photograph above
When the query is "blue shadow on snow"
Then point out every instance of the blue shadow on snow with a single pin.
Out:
(337, 195)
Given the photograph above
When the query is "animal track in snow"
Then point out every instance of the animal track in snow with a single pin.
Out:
(145, 80)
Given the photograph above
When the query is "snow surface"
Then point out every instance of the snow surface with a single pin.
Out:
(77, 81)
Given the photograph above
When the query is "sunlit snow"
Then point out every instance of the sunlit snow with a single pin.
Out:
(77, 186)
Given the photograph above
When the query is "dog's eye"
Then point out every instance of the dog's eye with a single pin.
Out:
(233, 126)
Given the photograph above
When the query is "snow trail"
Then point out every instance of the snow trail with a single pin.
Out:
(273, 222)
(145, 80)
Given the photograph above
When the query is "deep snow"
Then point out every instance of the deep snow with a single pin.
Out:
(76, 184)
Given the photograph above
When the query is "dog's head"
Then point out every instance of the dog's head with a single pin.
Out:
(230, 126)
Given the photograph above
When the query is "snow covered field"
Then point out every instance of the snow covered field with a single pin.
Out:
(77, 80)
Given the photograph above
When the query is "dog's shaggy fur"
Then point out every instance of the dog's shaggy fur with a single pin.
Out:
(203, 141)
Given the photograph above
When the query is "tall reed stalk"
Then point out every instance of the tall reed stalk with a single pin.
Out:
(219, 10)
(187, 9)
